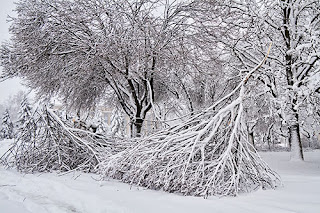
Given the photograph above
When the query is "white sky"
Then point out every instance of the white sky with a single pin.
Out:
(9, 87)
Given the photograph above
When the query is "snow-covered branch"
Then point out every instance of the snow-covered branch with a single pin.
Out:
(207, 155)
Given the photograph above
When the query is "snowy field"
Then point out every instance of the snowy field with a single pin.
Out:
(77, 192)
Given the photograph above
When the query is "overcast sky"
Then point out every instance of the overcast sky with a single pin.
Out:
(9, 87)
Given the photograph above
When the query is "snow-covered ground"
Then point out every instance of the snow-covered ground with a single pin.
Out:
(77, 192)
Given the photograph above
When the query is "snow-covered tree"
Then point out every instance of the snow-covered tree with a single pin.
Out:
(12, 104)
(294, 28)
(80, 49)
(6, 131)
(289, 78)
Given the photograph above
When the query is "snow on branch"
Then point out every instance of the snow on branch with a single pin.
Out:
(207, 155)
(47, 143)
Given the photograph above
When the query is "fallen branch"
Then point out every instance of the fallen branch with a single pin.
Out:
(209, 154)
(50, 144)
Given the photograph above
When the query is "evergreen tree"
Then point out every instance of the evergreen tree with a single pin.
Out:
(6, 131)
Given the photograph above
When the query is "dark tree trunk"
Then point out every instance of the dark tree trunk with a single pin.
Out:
(294, 136)
(136, 128)
(292, 111)
(251, 139)
(295, 143)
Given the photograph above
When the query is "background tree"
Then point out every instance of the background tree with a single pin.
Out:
(13, 104)
(293, 26)
(6, 131)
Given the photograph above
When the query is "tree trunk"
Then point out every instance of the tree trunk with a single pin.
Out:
(269, 136)
(295, 139)
(136, 127)
(251, 139)
(292, 114)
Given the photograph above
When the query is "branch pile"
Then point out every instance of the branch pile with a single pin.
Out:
(207, 155)
(47, 143)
